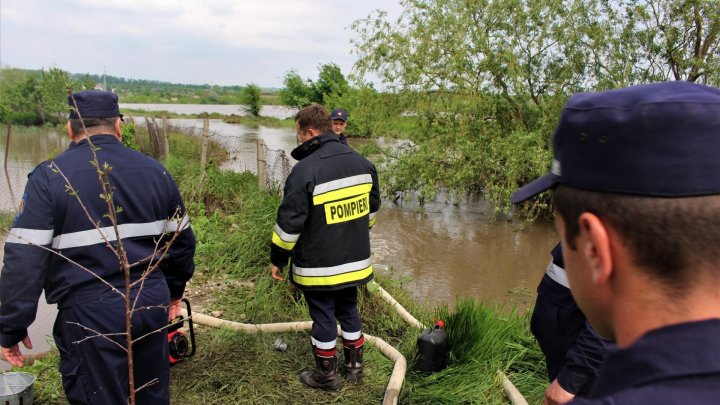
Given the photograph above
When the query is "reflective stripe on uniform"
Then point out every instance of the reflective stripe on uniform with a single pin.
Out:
(329, 276)
(93, 236)
(351, 335)
(331, 271)
(323, 345)
(26, 236)
(558, 274)
(173, 226)
(372, 218)
(342, 188)
(283, 239)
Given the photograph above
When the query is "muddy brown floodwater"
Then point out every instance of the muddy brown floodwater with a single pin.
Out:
(447, 250)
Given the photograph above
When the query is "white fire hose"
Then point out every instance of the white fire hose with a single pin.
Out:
(392, 392)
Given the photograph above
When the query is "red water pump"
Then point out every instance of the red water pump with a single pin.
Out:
(180, 347)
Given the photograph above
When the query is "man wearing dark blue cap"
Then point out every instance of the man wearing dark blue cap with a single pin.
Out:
(637, 201)
(64, 242)
(339, 123)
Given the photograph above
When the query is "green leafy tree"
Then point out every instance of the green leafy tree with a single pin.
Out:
(486, 79)
(34, 97)
(330, 81)
(86, 82)
(53, 95)
(250, 99)
(296, 93)
(300, 93)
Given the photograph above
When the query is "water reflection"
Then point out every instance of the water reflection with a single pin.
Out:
(447, 250)
(240, 140)
(275, 111)
(28, 147)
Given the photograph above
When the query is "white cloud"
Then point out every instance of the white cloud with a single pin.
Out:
(161, 38)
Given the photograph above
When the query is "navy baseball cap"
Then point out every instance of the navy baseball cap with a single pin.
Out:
(339, 114)
(660, 139)
(94, 104)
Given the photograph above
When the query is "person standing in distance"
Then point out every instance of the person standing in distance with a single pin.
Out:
(339, 123)
(149, 211)
(323, 226)
(637, 207)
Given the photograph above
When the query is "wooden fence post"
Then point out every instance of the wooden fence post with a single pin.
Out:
(206, 134)
(166, 140)
(7, 145)
(261, 164)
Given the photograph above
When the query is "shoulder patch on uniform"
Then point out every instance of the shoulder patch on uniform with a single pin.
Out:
(20, 209)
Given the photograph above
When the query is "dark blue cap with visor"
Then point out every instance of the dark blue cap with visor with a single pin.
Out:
(660, 139)
(94, 104)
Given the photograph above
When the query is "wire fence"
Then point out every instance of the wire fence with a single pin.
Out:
(272, 166)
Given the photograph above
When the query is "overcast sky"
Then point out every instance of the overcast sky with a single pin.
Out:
(221, 42)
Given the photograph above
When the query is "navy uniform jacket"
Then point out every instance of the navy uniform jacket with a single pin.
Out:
(572, 348)
(330, 201)
(676, 364)
(150, 211)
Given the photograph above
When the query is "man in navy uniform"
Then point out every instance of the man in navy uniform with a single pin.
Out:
(330, 201)
(637, 201)
(339, 123)
(573, 350)
(64, 242)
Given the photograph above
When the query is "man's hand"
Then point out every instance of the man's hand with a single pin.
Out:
(12, 354)
(556, 395)
(174, 309)
(276, 272)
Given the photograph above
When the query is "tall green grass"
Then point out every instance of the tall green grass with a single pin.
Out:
(482, 340)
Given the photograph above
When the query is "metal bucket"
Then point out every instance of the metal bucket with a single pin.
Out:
(16, 388)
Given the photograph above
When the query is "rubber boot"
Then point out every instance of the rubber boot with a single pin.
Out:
(353, 353)
(325, 374)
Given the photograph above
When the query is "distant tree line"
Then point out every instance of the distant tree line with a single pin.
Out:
(38, 97)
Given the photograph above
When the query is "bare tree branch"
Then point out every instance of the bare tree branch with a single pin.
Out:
(105, 336)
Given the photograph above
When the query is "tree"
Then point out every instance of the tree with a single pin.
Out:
(330, 82)
(53, 89)
(296, 92)
(300, 93)
(483, 75)
(250, 99)
(34, 98)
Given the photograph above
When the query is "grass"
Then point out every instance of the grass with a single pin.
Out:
(262, 120)
(6, 219)
(47, 388)
(232, 219)
(482, 340)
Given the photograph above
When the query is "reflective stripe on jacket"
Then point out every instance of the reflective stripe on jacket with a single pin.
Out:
(330, 202)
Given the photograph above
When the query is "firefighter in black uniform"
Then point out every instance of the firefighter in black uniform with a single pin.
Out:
(573, 350)
(330, 201)
(61, 242)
